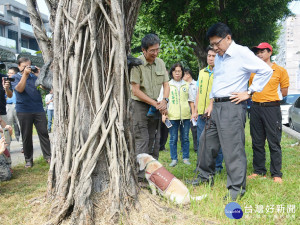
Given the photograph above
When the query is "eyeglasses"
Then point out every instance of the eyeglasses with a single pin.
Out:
(152, 51)
(217, 44)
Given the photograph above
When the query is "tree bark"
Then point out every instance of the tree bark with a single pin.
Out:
(92, 148)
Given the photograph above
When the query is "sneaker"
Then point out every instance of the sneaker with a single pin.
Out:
(173, 163)
(254, 175)
(186, 161)
(277, 180)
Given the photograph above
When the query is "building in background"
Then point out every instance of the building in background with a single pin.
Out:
(289, 50)
(16, 33)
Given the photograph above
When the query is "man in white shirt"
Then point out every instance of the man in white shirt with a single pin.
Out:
(227, 110)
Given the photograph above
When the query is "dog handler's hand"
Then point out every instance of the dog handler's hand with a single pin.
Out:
(239, 97)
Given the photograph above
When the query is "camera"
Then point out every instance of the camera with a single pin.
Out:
(9, 79)
(34, 69)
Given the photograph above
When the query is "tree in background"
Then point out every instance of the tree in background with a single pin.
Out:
(251, 22)
(93, 148)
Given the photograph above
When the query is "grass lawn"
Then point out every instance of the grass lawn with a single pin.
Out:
(20, 196)
(265, 202)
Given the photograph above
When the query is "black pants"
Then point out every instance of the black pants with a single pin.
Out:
(39, 120)
(266, 123)
(194, 133)
(146, 131)
(164, 132)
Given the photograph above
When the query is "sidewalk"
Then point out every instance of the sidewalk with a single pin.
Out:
(15, 150)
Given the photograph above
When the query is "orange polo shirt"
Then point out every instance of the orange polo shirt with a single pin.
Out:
(271, 92)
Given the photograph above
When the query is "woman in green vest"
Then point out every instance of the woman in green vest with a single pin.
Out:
(179, 114)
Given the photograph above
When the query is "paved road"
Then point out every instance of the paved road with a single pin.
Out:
(15, 150)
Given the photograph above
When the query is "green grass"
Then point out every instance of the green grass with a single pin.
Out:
(259, 192)
(17, 194)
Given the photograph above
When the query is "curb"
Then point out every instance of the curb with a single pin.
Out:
(290, 132)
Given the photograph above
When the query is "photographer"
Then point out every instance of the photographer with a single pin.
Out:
(4, 90)
(29, 107)
(11, 107)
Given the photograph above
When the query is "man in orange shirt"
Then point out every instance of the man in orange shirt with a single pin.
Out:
(265, 117)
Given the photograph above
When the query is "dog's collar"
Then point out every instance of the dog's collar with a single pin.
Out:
(147, 164)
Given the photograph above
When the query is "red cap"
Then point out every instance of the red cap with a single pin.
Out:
(262, 45)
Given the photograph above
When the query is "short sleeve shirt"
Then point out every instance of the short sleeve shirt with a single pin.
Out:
(193, 91)
(150, 77)
(30, 100)
(271, 92)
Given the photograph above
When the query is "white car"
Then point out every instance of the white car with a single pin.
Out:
(294, 116)
(285, 104)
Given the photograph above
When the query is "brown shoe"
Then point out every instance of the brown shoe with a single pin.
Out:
(254, 175)
(22, 150)
(277, 180)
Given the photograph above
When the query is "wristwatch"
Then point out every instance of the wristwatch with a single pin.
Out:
(167, 100)
(249, 92)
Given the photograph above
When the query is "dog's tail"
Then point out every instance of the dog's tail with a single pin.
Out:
(199, 198)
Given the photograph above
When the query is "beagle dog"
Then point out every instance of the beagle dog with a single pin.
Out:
(167, 184)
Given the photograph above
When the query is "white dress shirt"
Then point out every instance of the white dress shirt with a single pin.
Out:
(232, 72)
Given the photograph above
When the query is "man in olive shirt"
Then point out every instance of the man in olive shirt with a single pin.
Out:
(146, 81)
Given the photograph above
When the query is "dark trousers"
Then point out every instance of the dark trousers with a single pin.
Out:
(194, 134)
(266, 123)
(225, 129)
(164, 132)
(39, 120)
(146, 131)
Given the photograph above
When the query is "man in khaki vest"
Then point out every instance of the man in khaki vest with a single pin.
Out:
(146, 81)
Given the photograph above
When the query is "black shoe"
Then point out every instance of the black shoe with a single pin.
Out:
(198, 181)
(228, 197)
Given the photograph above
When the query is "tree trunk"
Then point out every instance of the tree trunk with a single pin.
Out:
(93, 149)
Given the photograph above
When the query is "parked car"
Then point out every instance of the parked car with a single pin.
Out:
(294, 116)
(285, 104)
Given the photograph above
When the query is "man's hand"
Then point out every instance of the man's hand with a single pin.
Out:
(240, 97)
(162, 105)
(209, 109)
(9, 128)
(2, 145)
(6, 84)
(26, 71)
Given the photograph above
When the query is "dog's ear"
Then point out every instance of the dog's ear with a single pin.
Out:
(141, 160)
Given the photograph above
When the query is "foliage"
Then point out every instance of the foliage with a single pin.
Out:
(174, 48)
(251, 22)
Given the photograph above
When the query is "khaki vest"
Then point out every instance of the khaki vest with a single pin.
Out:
(179, 108)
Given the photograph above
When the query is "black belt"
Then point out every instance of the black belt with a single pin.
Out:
(224, 99)
(267, 104)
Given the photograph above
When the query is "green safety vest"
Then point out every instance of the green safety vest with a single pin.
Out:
(205, 85)
(179, 108)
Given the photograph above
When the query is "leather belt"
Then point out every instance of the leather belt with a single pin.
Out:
(223, 99)
(267, 104)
